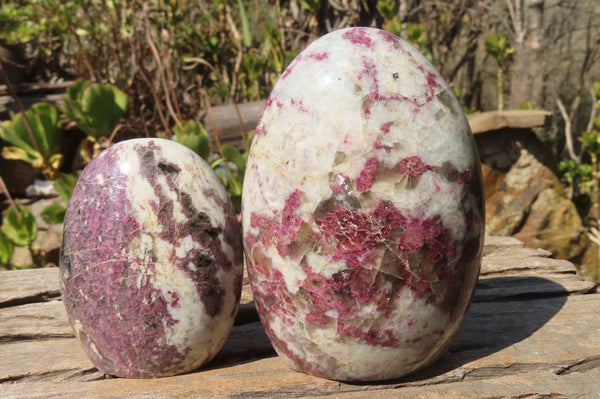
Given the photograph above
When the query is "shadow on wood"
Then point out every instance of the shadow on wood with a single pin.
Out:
(491, 327)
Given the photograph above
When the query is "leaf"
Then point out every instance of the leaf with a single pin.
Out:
(55, 161)
(54, 213)
(311, 5)
(6, 249)
(249, 141)
(193, 135)
(20, 226)
(104, 107)
(24, 144)
(415, 34)
(45, 124)
(81, 32)
(526, 105)
(566, 166)
(234, 186)
(585, 172)
(387, 9)
(65, 185)
(95, 108)
(217, 162)
(15, 153)
(497, 46)
(245, 24)
(393, 26)
(45, 128)
(75, 91)
(233, 155)
(222, 176)
(590, 141)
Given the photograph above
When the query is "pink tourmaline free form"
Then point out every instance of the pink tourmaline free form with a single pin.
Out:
(362, 210)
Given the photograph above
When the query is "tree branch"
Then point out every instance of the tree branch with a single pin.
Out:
(568, 131)
(594, 110)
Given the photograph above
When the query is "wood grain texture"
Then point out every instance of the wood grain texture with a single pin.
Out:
(533, 331)
(28, 286)
(510, 119)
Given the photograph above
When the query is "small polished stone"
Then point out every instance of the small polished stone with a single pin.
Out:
(151, 260)
(362, 210)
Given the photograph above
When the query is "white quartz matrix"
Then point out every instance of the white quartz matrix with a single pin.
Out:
(362, 210)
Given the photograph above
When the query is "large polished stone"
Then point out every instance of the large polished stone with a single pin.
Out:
(362, 210)
(151, 262)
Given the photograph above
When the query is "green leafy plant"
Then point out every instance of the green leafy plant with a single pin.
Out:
(419, 39)
(413, 33)
(65, 185)
(54, 213)
(527, 105)
(245, 23)
(498, 47)
(34, 138)
(21, 229)
(20, 226)
(194, 136)
(231, 168)
(582, 178)
(387, 9)
(6, 250)
(95, 108)
(577, 178)
(19, 27)
(311, 5)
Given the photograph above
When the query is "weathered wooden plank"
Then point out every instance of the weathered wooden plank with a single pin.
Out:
(34, 321)
(498, 340)
(49, 319)
(524, 265)
(59, 359)
(54, 359)
(519, 252)
(45, 320)
(495, 244)
(527, 287)
(526, 385)
(8, 104)
(36, 87)
(511, 119)
(227, 122)
(530, 385)
(511, 330)
(504, 256)
(33, 285)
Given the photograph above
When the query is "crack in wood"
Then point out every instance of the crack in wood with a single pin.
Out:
(579, 365)
(33, 337)
(80, 375)
(43, 297)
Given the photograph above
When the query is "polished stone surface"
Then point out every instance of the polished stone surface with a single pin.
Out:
(151, 263)
(362, 210)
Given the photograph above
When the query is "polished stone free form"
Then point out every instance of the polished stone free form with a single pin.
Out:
(362, 210)
(151, 261)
